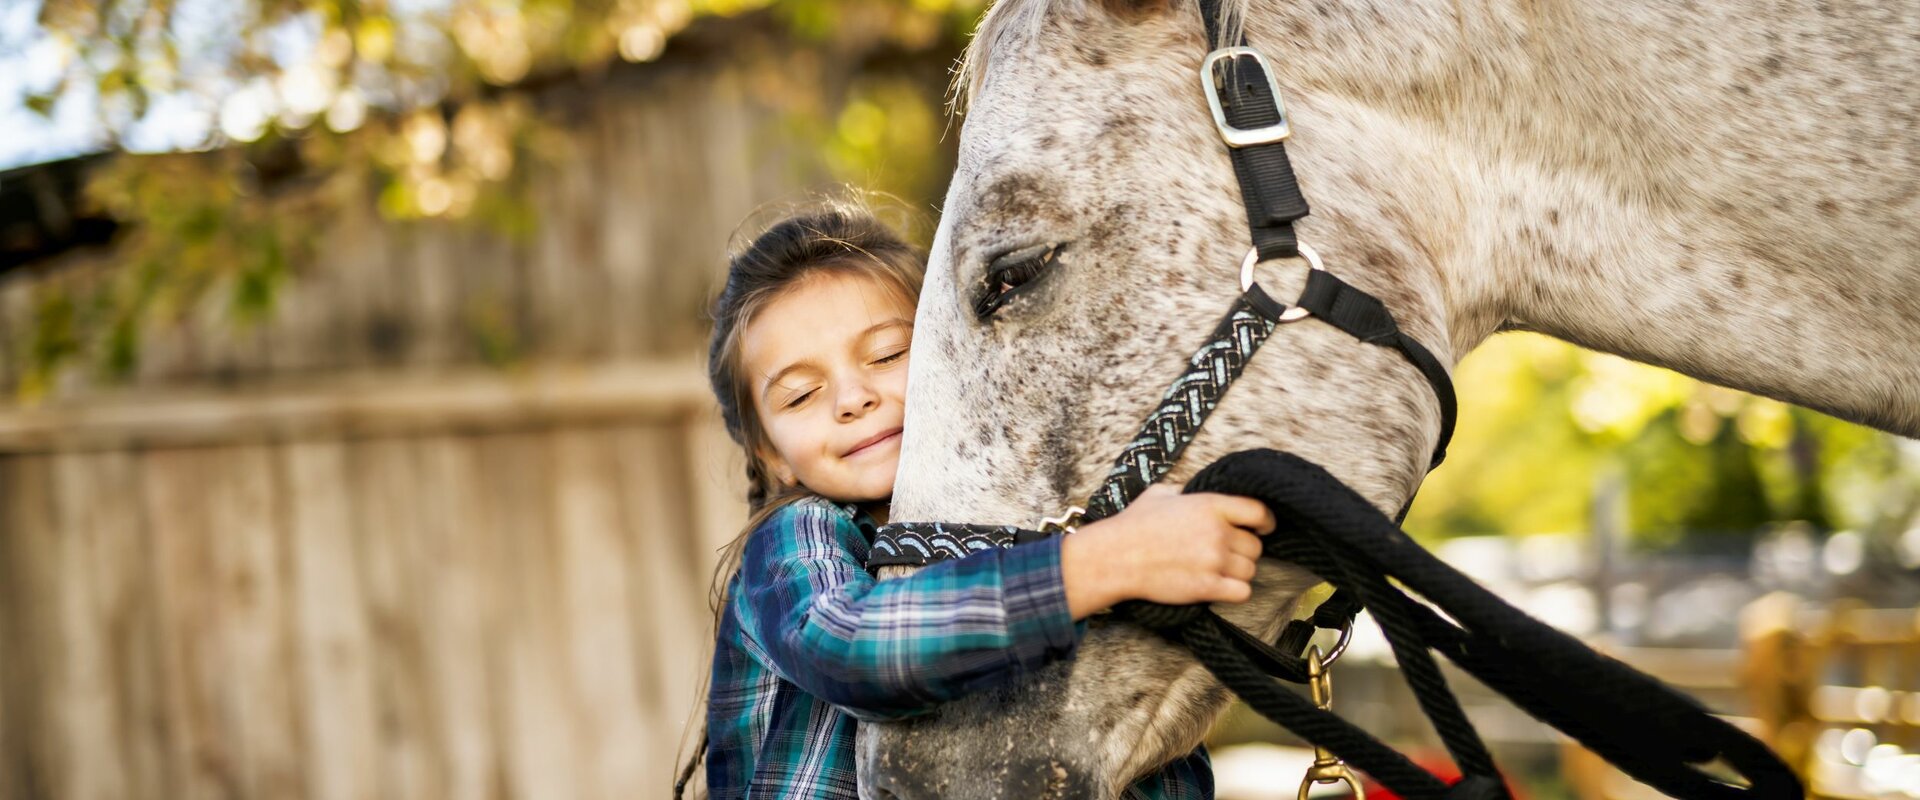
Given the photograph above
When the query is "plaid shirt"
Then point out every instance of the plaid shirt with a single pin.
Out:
(809, 642)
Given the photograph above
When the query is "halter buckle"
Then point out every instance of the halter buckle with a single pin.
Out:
(1067, 522)
(1243, 137)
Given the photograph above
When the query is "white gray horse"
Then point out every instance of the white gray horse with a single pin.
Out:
(1726, 188)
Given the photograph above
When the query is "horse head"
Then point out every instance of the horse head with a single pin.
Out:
(1093, 236)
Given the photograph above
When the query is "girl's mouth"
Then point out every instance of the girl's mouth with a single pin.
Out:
(883, 438)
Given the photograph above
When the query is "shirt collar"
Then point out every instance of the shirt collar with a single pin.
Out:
(861, 519)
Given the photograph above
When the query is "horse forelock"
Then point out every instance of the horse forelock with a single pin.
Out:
(1024, 17)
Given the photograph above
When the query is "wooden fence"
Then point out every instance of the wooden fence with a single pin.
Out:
(512, 611)
(338, 555)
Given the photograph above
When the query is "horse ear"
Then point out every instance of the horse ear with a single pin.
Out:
(1136, 9)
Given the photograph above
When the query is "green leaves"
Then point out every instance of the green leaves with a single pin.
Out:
(1544, 425)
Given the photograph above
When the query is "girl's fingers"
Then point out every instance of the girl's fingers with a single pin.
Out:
(1239, 568)
(1244, 512)
(1234, 591)
(1243, 544)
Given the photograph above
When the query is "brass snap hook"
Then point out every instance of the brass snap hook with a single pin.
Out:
(1327, 767)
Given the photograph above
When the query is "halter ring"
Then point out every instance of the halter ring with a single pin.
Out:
(1293, 313)
(1340, 645)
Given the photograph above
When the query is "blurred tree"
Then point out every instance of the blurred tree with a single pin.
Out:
(409, 105)
(1541, 421)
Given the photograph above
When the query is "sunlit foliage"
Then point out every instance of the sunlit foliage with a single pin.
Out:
(1548, 430)
(414, 107)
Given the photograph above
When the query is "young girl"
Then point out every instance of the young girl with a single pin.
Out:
(809, 362)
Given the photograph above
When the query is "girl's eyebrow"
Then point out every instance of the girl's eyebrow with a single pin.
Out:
(774, 379)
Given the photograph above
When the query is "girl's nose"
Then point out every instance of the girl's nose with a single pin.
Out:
(857, 400)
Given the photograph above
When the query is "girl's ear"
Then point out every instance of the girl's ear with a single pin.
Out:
(778, 467)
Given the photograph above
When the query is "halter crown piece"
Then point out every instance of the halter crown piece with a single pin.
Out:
(1653, 733)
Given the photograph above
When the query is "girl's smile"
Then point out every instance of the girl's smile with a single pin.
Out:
(887, 440)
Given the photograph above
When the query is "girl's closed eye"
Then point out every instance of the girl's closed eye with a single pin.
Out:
(798, 399)
(891, 357)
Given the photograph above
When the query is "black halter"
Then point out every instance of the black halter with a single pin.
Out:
(1630, 719)
(1252, 120)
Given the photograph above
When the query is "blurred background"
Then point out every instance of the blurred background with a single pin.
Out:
(354, 441)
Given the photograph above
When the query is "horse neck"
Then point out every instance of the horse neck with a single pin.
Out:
(1701, 186)
(1668, 289)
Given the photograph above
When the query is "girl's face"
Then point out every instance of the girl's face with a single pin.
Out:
(827, 362)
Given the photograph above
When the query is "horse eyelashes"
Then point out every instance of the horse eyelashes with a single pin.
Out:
(1008, 275)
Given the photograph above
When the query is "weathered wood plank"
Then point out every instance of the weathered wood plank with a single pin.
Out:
(123, 555)
(92, 539)
(595, 552)
(626, 244)
(491, 301)
(432, 267)
(541, 724)
(392, 569)
(300, 334)
(462, 607)
(243, 516)
(331, 624)
(566, 276)
(668, 612)
(204, 748)
(32, 762)
(368, 311)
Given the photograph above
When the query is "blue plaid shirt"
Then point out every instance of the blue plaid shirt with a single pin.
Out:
(809, 642)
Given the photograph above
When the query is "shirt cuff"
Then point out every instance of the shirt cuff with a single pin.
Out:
(1037, 602)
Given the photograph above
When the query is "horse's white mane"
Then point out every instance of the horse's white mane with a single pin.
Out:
(1025, 16)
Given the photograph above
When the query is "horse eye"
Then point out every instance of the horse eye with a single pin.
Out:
(1009, 274)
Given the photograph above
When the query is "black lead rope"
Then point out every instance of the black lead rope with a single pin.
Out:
(1650, 731)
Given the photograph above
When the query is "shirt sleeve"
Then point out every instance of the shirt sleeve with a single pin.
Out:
(894, 648)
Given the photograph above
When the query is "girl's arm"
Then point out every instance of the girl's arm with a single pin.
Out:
(894, 648)
(890, 649)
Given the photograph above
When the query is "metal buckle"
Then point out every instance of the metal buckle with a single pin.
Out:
(1065, 523)
(1294, 313)
(1243, 137)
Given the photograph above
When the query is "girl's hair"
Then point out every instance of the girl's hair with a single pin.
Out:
(837, 237)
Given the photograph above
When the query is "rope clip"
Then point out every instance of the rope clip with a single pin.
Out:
(1327, 767)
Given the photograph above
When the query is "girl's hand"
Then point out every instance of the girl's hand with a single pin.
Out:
(1166, 547)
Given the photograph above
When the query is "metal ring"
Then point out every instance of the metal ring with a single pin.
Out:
(1340, 646)
(1294, 313)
